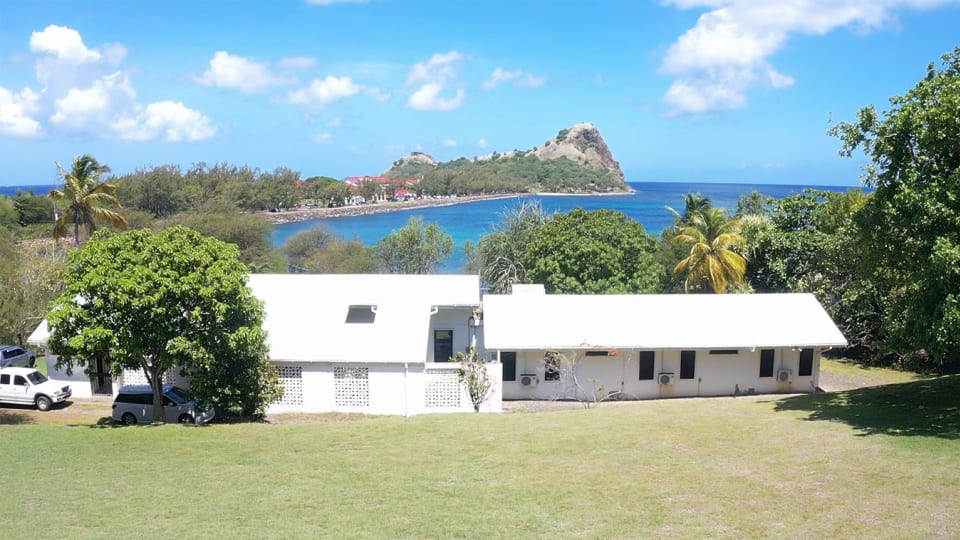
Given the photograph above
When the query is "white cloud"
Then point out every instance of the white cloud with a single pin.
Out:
(15, 110)
(717, 61)
(519, 78)
(63, 43)
(231, 71)
(297, 63)
(322, 138)
(167, 120)
(482, 143)
(335, 122)
(320, 93)
(427, 98)
(449, 143)
(378, 95)
(433, 76)
(83, 108)
(84, 91)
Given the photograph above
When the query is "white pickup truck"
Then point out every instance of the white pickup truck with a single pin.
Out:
(26, 386)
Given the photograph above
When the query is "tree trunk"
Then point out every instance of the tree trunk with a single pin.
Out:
(76, 228)
(156, 384)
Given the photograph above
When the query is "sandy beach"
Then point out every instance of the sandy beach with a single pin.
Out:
(304, 214)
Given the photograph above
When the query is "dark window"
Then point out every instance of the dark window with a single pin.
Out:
(724, 351)
(18, 380)
(551, 367)
(598, 353)
(646, 365)
(136, 399)
(361, 314)
(509, 361)
(806, 363)
(766, 363)
(442, 345)
(4, 379)
(688, 364)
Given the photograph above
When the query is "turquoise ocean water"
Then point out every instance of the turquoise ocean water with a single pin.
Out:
(470, 221)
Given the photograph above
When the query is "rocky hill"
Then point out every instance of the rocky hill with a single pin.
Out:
(576, 160)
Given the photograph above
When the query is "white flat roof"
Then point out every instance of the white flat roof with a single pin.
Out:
(657, 321)
(306, 314)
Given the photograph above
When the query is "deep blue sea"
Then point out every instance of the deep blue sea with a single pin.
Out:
(470, 221)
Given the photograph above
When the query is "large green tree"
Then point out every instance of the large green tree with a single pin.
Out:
(713, 262)
(156, 302)
(597, 252)
(912, 222)
(499, 255)
(417, 248)
(87, 200)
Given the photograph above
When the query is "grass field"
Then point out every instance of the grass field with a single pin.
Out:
(871, 462)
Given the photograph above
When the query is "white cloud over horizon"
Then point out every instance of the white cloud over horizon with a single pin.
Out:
(323, 92)
(518, 78)
(83, 93)
(432, 79)
(243, 74)
(727, 53)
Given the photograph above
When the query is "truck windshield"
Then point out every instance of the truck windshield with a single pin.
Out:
(36, 377)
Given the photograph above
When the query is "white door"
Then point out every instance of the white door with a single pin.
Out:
(6, 388)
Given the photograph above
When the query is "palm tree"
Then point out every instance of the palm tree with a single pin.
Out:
(85, 196)
(693, 204)
(712, 261)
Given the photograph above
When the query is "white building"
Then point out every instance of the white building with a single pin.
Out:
(653, 346)
(375, 344)
(380, 344)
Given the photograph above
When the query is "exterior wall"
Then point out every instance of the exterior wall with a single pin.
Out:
(389, 389)
(79, 381)
(455, 319)
(714, 375)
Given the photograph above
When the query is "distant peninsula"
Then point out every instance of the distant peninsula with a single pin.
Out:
(576, 160)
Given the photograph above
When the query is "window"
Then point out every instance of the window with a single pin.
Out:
(724, 351)
(597, 353)
(509, 361)
(361, 314)
(766, 362)
(4, 379)
(551, 366)
(19, 380)
(688, 364)
(646, 365)
(442, 345)
(806, 363)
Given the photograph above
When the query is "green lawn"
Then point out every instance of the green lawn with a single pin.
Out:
(872, 462)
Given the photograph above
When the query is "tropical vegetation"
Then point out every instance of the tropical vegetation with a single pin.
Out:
(159, 302)
(86, 199)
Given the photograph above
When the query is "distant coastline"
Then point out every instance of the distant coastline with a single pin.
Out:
(307, 214)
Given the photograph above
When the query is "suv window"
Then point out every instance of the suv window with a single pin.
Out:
(136, 399)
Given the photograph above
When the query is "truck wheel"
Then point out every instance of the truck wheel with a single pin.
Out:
(128, 419)
(33, 363)
(43, 403)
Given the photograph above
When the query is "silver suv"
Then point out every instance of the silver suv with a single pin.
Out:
(134, 405)
(12, 355)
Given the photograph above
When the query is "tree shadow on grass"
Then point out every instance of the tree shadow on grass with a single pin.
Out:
(926, 408)
(13, 417)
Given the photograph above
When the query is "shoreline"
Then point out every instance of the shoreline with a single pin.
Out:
(307, 214)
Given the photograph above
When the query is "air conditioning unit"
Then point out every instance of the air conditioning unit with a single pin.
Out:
(666, 378)
(529, 379)
(784, 375)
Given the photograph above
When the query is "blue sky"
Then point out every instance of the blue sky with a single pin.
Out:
(682, 90)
